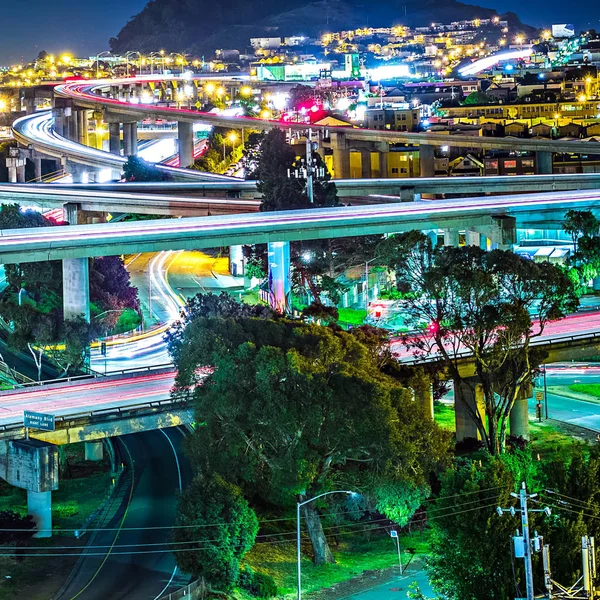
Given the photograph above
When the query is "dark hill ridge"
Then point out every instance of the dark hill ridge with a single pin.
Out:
(201, 26)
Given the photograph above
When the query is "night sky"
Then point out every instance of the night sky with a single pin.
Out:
(85, 26)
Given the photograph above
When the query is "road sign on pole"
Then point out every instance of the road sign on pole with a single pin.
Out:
(37, 420)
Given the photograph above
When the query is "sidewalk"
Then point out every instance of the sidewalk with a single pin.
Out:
(379, 585)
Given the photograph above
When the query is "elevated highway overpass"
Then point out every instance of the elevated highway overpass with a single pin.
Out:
(488, 214)
(90, 199)
(36, 131)
(92, 409)
(373, 189)
(127, 107)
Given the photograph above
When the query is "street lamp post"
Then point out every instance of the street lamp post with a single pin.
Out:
(367, 285)
(127, 57)
(299, 505)
(104, 53)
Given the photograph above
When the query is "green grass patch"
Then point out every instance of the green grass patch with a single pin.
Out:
(128, 321)
(250, 297)
(352, 316)
(443, 415)
(353, 554)
(549, 438)
(591, 389)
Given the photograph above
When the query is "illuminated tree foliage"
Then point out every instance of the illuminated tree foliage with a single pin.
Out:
(480, 303)
(290, 410)
(214, 529)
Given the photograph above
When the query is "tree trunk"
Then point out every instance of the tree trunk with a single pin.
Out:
(321, 552)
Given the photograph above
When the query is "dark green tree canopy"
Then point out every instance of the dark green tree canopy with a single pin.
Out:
(289, 410)
(215, 528)
(481, 303)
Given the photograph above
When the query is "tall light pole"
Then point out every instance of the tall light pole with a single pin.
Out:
(127, 56)
(104, 53)
(367, 285)
(299, 505)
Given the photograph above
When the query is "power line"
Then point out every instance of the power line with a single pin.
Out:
(281, 519)
(27, 552)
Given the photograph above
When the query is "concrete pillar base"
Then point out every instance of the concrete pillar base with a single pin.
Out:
(280, 284)
(426, 161)
(39, 506)
(451, 237)
(114, 138)
(519, 414)
(424, 398)
(94, 450)
(236, 261)
(365, 164)
(76, 288)
(185, 136)
(543, 161)
(472, 238)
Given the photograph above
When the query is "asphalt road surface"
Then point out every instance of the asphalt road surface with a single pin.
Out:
(132, 561)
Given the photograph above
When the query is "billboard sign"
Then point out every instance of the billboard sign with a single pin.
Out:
(563, 30)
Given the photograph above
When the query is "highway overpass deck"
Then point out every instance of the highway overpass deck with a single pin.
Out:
(106, 239)
(113, 405)
(85, 95)
(36, 131)
(352, 188)
(90, 199)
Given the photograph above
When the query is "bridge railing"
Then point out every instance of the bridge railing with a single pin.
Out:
(465, 353)
(192, 590)
(92, 375)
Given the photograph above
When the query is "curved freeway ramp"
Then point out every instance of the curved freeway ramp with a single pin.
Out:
(36, 131)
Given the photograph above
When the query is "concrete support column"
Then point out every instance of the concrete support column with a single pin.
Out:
(365, 164)
(12, 174)
(466, 396)
(451, 237)
(94, 450)
(114, 138)
(519, 414)
(383, 149)
(74, 125)
(472, 238)
(424, 398)
(426, 161)
(341, 156)
(130, 139)
(39, 506)
(32, 465)
(21, 173)
(82, 126)
(37, 168)
(185, 136)
(59, 121)
(280, 284)
(76, 288)
(543, 160)
(236, 261)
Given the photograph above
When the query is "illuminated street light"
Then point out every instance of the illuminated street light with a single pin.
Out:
(105, 53)
(299, 505)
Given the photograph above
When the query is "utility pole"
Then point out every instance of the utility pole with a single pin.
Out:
(309, 168)
(524, 545)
